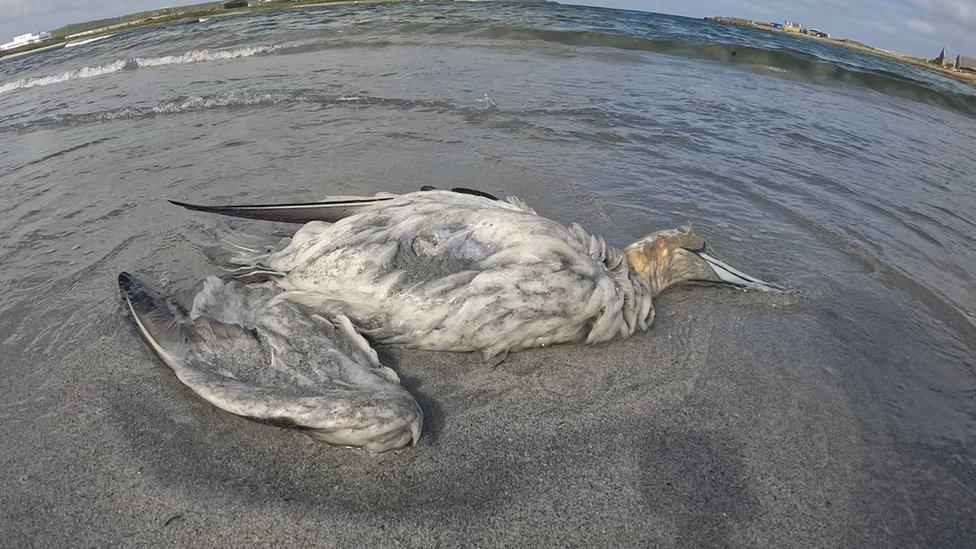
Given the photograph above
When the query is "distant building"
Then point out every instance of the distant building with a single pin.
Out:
(24, 39)
(963, 62)
(789, 26)
(943, 59)
(232, 4)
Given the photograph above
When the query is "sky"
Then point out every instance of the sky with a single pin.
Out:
(919, 27)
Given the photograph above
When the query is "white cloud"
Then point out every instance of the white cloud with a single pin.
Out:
(961, 11)
(921, 27)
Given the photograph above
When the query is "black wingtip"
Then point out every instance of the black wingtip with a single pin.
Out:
(145, 298)
(474, 192)
(160, 321)
(463, 190)
(303, 212)
(193, 207)
(127, 284)
(137, 294)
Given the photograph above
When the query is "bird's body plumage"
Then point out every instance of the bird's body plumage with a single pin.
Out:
(455, 272)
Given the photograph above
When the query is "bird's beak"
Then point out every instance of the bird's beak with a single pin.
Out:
(730, 275)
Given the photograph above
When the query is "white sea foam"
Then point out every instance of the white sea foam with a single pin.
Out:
(88, 41)
(233, 99)
(194, 103)
(197, 56)
(84, 72)
(193, 56)
(489, 103)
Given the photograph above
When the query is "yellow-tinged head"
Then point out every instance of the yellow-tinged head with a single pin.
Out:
(666, 258)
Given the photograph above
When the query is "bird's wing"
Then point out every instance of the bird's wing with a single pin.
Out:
(331, 209)
(264, 360)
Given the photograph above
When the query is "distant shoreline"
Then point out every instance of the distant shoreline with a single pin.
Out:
(965, 77)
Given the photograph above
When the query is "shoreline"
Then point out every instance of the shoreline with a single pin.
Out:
(917, 62)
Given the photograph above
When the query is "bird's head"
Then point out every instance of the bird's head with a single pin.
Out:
(667, 258)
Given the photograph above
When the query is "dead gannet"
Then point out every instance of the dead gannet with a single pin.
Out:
(462, 271)
(254, 355)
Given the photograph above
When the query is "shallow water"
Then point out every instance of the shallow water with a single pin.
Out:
(842, 412)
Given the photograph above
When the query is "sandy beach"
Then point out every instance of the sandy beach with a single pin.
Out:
(739, 419)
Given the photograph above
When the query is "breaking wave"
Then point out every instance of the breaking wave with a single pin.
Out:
(477, 111)
(192, 56)
(231, 100)
(882, 78)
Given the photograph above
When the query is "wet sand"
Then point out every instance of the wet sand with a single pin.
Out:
(738, 419)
